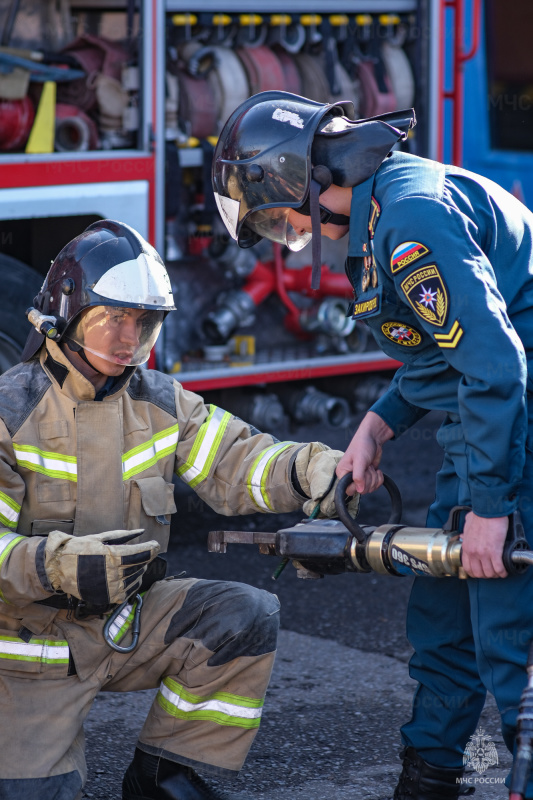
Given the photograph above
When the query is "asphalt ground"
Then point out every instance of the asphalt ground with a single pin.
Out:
(340, 688)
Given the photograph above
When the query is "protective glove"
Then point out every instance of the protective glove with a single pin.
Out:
(101, 568)
(315, 467)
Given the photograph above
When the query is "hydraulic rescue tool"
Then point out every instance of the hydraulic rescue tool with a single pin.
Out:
(319, 547)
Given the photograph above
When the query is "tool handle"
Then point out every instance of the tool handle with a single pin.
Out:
(351, 524)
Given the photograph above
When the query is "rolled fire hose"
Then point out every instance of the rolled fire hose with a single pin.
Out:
(262, 68)
(291, 75)
(315, 84)
(198, 106)
(228, 81)
(400, 74)
(349, 89)
(374, 102)
(75, 131)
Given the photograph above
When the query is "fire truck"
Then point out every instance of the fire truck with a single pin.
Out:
(111, 109)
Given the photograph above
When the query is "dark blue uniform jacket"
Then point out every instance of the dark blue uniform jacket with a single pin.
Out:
(450, 255)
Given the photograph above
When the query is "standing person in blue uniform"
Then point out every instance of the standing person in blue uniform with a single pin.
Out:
(441, 264)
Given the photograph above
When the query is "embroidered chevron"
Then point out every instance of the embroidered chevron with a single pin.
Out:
(450, 340)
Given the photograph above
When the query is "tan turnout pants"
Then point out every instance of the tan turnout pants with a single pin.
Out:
(208, 646)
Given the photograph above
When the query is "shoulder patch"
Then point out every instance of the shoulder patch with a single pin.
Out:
(154, 387)
(399, 333)
(450, 340)
(406, 253)
(427, 294)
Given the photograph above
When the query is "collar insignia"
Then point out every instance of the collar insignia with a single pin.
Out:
(375, 211)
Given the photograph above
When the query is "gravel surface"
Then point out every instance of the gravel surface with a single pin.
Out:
(340, 688)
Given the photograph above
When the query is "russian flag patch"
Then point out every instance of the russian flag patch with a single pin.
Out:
(406, 253)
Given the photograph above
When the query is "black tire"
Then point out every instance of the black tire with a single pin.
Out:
(20, 283)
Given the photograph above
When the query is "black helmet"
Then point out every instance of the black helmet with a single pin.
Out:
(109, 265)
(278, 149)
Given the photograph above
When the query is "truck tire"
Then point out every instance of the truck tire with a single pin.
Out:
(20, 284)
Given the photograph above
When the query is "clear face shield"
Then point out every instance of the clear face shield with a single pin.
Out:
(122, 336)
(273, 224)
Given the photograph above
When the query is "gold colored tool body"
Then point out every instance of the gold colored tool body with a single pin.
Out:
(400, 550)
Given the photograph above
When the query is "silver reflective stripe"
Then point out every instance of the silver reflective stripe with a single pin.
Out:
(41, 650)
(205, 447)
(222, 708)
(144, 455)
(56, 466)
(259, 473)
(9, 511)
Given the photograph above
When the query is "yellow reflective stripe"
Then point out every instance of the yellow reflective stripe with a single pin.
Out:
(7, 542)
(222, 708)
(45, 651)
(9, 511)
(46, 463)
(205, 447)
(145, 455)
(259, 473)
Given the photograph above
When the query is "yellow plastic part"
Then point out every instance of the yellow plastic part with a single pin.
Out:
(41, 139)
(250, 19)
(363, 19)
(192, 141)
(310, 19)
(338, 19)
(243, 345)
(176, 367)
(184, 19)
(389, 19)
(212, 140)
(221, 19)
(280, 19)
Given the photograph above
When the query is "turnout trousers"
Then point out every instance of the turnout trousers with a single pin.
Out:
(207, 646)
(469, 636)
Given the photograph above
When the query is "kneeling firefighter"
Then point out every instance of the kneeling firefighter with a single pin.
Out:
(89, 444)
(441, 265)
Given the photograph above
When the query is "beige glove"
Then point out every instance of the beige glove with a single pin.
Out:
(102, 568)
(315, 466)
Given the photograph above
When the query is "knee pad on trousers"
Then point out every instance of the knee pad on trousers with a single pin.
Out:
(230, 619)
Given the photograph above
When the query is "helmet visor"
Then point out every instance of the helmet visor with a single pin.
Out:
(273, 224)
(120, 335)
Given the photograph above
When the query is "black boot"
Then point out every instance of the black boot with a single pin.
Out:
(422, 781)
(153, 778)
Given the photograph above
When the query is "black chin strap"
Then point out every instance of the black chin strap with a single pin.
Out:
(314, 195)
(76, 348)
(319, 216)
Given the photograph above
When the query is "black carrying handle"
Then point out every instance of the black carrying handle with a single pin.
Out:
(340, 504)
